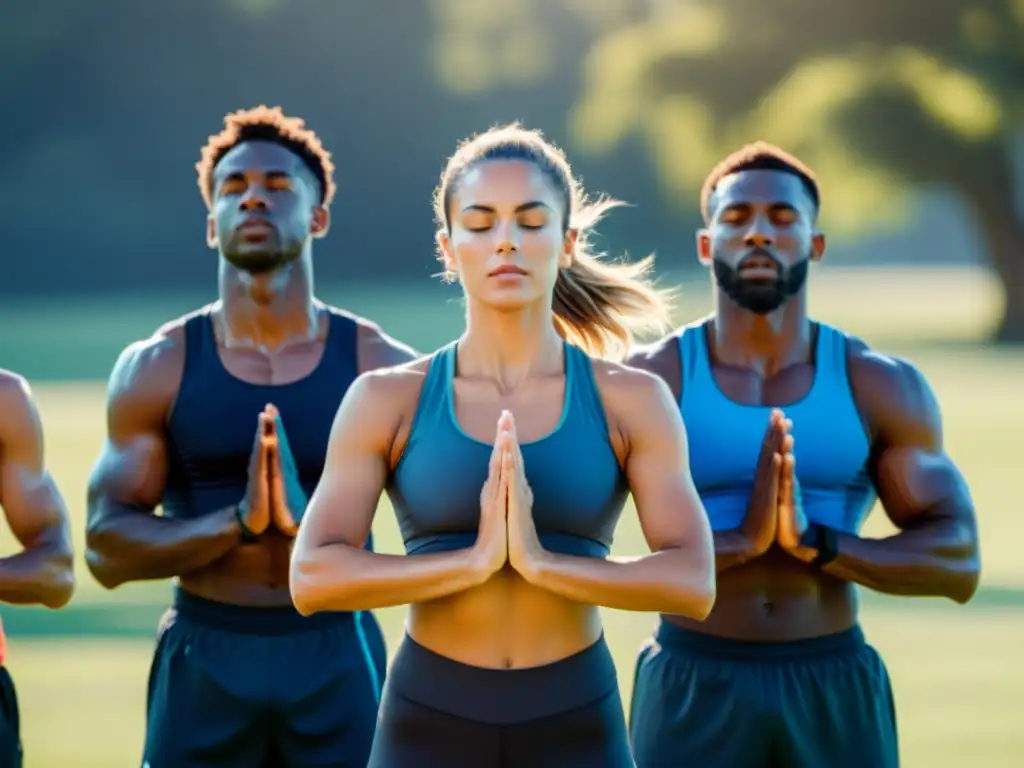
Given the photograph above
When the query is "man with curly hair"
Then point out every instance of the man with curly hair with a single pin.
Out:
(196, 421)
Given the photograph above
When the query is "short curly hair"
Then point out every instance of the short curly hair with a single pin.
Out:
(759, 156)
(264, 123)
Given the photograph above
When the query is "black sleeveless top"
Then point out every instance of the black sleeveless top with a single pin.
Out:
(212, 426)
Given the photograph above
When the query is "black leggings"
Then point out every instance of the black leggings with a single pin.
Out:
(437, 713)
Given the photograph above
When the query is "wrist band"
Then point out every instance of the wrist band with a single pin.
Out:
(824, 540)
(240, 511)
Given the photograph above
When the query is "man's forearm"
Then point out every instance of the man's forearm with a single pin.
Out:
(939, 558)
(40, 575)
(127, 544)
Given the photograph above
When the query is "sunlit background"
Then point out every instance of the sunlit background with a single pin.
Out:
(910, 111)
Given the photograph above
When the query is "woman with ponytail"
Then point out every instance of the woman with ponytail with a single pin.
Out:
(508, 456)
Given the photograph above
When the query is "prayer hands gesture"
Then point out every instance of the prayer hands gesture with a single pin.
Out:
(274, 496)
(507, 533)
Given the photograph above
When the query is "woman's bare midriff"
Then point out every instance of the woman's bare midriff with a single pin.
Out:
(505, 623)
(777, 598)
(253, 575)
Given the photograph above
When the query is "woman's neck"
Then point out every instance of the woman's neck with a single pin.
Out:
(510, 346)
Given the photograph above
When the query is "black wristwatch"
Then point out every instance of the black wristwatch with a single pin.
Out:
(247, 535)
(822, 539)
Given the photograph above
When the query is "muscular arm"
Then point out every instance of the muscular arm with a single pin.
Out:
(330, 569)
(922, 491)
(43, 572)
(678, 576)
(125, 540)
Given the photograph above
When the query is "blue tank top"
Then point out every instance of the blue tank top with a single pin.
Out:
(211, 429)
(578, 487)
(830, 444)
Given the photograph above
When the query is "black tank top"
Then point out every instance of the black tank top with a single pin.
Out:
(212, 426)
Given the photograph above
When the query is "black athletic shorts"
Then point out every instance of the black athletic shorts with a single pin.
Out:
(714, 702)
(262, 687)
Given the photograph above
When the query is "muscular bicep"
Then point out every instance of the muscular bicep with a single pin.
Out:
(658, 469)
(131, 470)
(32, 504)
(915, 484)
(130, 473)
(343, 505)
(916, 479)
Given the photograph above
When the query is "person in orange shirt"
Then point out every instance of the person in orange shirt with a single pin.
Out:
(43, 572)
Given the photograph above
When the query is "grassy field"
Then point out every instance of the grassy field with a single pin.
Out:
(959, 682)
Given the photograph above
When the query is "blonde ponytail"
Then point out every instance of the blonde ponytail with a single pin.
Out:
(602, 306)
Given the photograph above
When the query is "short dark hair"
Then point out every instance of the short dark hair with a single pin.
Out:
(264, 123)
(759, 156)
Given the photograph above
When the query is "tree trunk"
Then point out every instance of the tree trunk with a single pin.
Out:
(992, 199)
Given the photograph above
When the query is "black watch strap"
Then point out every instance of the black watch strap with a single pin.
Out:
(824, 540)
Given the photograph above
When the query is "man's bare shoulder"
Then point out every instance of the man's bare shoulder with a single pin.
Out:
(376, 348)
(880, 374)
(153, 366)
(657, 356)
(893, 394)
(662, 359)
(19, 415)
(14, 388)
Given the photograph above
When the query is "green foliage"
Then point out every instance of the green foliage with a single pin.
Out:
(480, 46)
(877, 96)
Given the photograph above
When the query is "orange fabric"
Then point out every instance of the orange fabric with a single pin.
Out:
(3, 644)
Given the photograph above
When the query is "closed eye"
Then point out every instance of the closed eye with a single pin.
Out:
(233, 185)
(531, 216)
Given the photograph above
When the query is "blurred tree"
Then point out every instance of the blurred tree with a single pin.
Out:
(878, 95)
(481, 46)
